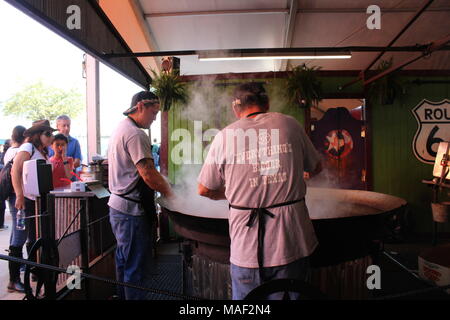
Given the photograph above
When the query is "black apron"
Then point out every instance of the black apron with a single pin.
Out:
(146, 199)
(146, 196)
(260, 213)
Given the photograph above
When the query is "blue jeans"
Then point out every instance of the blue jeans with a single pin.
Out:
(244, 280)
(2, 213)
(133, 253)
(18, 237)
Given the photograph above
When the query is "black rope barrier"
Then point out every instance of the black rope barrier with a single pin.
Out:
(92, 277)
(70, 225)
(182, 296)
(413, 292)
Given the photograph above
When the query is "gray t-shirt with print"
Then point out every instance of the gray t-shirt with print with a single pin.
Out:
(261, 162)
(127, 146)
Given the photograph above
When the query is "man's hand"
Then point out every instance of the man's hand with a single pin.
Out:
(316, 171)
(76, 162)
(212, 194)
(153, 178)
(64, 153)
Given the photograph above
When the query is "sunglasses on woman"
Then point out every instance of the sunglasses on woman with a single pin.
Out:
(48, 134)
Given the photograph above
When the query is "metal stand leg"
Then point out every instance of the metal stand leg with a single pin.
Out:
(44, 248)
(84, 218)
(434, 242)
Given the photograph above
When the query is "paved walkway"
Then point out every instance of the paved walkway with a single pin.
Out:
(169, 266)
(4, 272)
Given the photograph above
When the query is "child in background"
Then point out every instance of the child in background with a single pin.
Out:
(62, 165)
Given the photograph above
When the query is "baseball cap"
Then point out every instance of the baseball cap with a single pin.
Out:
(143, 95)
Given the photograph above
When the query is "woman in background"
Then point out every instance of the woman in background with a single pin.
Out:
(6, 146)
(38, 138)
(18, 237)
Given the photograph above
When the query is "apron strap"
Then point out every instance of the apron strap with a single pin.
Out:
(260, 213)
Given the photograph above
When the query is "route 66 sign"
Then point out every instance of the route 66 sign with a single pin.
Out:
(433, 119)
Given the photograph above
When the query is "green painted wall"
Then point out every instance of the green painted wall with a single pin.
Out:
(396, 170)
(221, 111)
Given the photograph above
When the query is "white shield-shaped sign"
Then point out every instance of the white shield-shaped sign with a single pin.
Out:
(433, 119)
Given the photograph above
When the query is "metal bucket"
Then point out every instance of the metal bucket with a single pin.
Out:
(440, 211)
(93, 172)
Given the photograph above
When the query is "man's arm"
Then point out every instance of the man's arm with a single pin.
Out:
(77, 156)
(76, 162)
(152, 177)
(68, 168)
(212, 194)
(317, 170)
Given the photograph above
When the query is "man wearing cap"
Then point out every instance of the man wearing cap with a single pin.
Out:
(132, 182)
(63, 123)
(257, 164)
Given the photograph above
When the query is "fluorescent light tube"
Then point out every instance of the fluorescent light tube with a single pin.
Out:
(271, 56)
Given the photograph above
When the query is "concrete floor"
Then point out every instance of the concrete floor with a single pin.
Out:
(4, 271)
(162, 249)
(406, 252)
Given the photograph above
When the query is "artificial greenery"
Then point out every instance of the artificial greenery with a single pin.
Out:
(304, 87)
(386, 89)
(170, 89)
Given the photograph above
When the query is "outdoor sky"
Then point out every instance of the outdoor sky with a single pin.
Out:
(30, 51)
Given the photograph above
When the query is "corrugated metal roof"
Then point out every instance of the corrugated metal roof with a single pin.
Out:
(231, 24)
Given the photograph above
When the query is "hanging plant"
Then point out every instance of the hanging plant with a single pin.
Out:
(385, 90)
(169, 88)
(304, 87)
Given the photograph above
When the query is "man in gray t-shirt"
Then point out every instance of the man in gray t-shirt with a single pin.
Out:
(132, 182)
(257, 164)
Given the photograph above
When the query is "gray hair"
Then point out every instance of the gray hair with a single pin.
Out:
(62, 117)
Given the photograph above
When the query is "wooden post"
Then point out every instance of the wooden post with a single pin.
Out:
(308, 121)
(169, 64)
(164, 149)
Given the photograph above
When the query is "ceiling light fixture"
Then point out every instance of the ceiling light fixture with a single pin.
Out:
(236, 56)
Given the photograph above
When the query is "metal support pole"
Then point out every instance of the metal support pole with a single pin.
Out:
(362, 75)
(92, 106)
(406, 27)
(434, 241)
(48, 222)
(290, 28)
(84, 230)
(433, 46)
(272, 51)
(50, 217)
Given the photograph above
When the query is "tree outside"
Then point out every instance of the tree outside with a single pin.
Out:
(41, 101)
